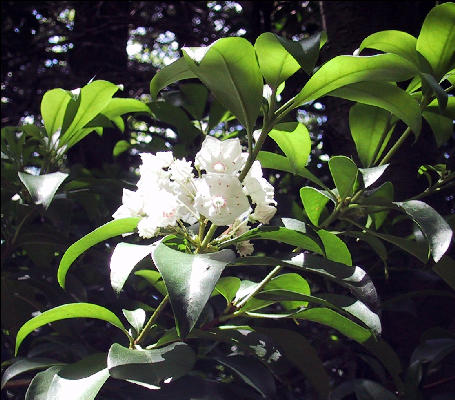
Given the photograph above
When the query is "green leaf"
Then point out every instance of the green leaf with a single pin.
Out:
(154, 278)
(136, 318)
(275, 62)
(124, 259)
(94, 97)
(371, 175)
(374, 243)
(445, 268)
(171, 73)
(395, 42)
(120, 147)
(344, 70)
(76, 310)
(430, 84)
(313, 201)
(106, 231)
(448, 112)
(364, 389)
(230, 70)
(120, 106)
(195, 98)
(228, 287)
(278, 234)
(441, 126)
(81, 380)
(344, 174)
(305, 51)
(368, 126)
(282, 163)
(292, 282)
(335, 249)
(150, 367)
(434, 227)
(190, 280)
(53, 107)
(302, 354)
(387, 96)
(383, 196)
(40, 384)
(252, 372)
(42, 188)
(27, 364)
(293, 138)
(436, 41)
(408, 245)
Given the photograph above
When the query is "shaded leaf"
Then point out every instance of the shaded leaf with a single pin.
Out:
(445, 268)
(441, 126)
(106, 231)
(120, 147)
(154, 278)
(228, 287)
(42, 188)
(408, 245)
(344, 174)
(195, 98)
(364, 389)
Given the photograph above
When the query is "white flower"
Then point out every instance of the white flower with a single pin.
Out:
(133, 205)
(257, 187)
(152, 169)
(263, 213)
(181, 170)
(244, 248)
(222, 157)
(162, 206)
(220, 198)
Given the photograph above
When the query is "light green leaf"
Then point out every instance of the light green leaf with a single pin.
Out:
(106, 231)
(282, 163)
(124, 259)
(368, 126)
(230, 70)
(40, 384)
(441, 126)
(448, 112)
(278, 234)
(42, 188)
(434, 227)
(445, 268)
(344, 70)
(344, 174)
(335, 249)
(120, 106)
(94, 97)
(228, 287)
(293, 138)
(313, 201)
(150, 367)
(171, 73)
(436, 41)
(429, 84)
(53, 107)
(392, 41)
(136, 318)
(275, 62)
(81, 380)
(371, 175)
(154, 278)
(387, 96)
(27, 364)
(76, 310)
(120, 147)
(190, 280)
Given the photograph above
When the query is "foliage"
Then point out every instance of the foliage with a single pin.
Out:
(236, 326)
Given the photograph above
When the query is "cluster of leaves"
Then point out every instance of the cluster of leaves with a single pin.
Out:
(229, 333)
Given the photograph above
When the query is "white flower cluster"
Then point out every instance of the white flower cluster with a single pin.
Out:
(168, 191)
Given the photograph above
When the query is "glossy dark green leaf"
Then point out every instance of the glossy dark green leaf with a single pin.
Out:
(368, 126)
(408, 245)
(302, 354)
(313, 201)
(40, 384)
(22, 365)
(364, 389)
(374, 243)
(344, 70)
(190, 280)
(433, 350)
(150, 367)
(195, 98)
(335, 249)
(441, 126)
(81, 380)
(278, 234)
(106, 231)
(294, 140)
(42, 188)
(281, 163)
(230, 70)
(136, 318)
(434, 227)
(392, 41)
(387, 96)
(228, 287)
(252, 372)
(429, 84)
(382, 196)
(275, 62)
(436, 41)
(53, 106)
(344, 173)
(171, 73)
(124, 259)
(445, 268)
(65, 311)
(94, 97)
(371, 175)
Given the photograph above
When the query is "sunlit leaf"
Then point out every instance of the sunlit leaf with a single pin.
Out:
(40, 384)
(335, 249)
(136, 318)
(53, 106)
(228, 287)
(313, 201)
(42, 188)
(344, 174)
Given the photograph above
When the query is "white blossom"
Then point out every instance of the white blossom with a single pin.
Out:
(133, 205)
(257, 187)
(263, 213)
(244, 248)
